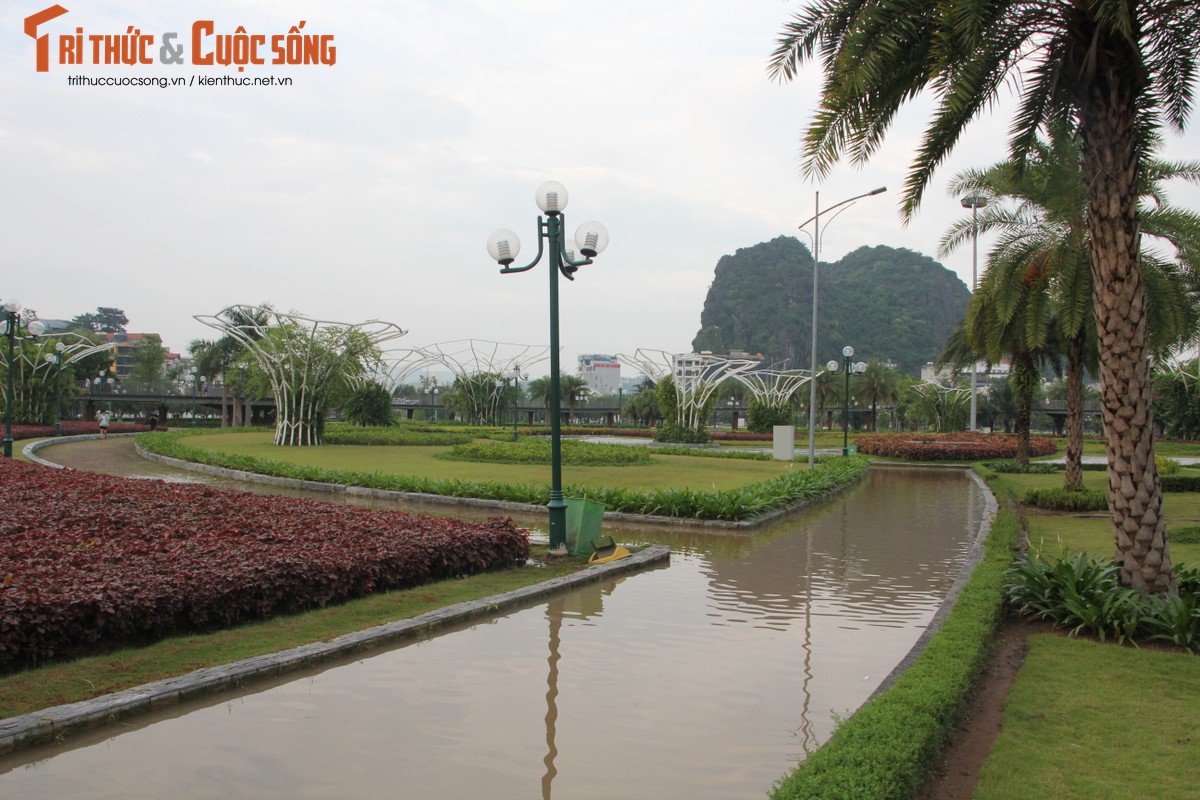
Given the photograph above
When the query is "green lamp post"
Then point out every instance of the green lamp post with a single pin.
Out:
(591, 238)
(56, 359)
(849, 368)
(12, 323)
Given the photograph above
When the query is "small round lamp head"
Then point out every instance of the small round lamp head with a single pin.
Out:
(51, 358)
(591, 238)
(860, 367)
(37, 327)
(551, 198)
(503, 246)
(831, 365)
(848, 351)
(12, 306)
(60, 346)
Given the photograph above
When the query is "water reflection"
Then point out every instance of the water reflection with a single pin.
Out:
(707, 679)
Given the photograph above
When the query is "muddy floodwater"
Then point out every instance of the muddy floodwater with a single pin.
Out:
(708, 678)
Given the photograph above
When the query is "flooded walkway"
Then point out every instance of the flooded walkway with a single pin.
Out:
(707, 679)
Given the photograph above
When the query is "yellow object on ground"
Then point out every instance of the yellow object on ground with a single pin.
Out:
(606, 550)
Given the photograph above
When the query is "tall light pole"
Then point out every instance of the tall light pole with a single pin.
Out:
(974, 202)
(12, 322)
(56, 359)
(517, 378)
(816, 239)
(503, 246)
(850, 368)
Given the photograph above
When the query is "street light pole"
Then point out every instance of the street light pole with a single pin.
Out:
(503, 246)
(849, 367)
(816, 238)
(517, 378)
(12, 312)
(56, 358)
(974, 202)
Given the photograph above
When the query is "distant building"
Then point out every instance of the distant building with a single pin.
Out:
(601, 372)
(123, 352)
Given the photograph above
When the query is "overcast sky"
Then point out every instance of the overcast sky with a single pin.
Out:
(367, 189)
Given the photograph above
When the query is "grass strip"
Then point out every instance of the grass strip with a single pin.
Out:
(792, 486)
(1087, 720)
(886, 749)
(85, 678)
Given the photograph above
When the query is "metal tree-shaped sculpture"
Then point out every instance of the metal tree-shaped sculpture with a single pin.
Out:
(303, 358)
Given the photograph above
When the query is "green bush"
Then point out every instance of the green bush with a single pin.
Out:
(762, 417)
(1064, 499)
(369, 405)
(1188, 535)
(537, 451)
(887, 749)
(1082, 594)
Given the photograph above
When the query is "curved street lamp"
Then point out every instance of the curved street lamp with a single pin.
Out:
(974, 202)
(503, 245)
(816, 238)
(12, 323)
(850, 368)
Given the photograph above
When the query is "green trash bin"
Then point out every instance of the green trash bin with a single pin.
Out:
(583, 524)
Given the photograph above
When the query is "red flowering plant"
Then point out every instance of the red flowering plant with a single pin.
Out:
(77, 428)
(90, 561)
(962, 446)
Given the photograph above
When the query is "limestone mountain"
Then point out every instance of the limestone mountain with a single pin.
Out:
(886, 302)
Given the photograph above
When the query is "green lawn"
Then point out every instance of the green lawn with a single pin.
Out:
(1087, 721)
(693, 472)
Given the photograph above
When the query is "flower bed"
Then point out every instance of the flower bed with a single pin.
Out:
(76, 428)
(90, 561)
(950, 446)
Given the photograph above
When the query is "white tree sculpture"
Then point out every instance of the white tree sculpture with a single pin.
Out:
(480, 367)
(302, 359)
(696, 377)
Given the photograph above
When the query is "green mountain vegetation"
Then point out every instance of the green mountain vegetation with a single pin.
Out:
(887, 303)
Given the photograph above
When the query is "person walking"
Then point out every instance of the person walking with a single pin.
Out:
(104, 417)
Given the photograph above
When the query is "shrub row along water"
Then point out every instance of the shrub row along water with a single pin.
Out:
(741, 503)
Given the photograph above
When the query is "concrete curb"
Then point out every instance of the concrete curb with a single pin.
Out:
(18, 733)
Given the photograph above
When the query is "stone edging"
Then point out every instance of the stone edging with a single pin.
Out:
(18, 733)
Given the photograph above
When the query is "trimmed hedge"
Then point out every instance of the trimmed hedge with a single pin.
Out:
(392, 436)
(949, 446)
(1063, 499)
(538, 451)
(77, 428)
(888, 748)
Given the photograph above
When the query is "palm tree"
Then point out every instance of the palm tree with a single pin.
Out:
(1117, 70)
(1008, 317)
(878, 383)
(573, 388)
(539, 389)
(1042, 222)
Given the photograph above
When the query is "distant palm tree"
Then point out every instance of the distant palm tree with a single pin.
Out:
(878, 384)
(571, 388)
(1043, 247)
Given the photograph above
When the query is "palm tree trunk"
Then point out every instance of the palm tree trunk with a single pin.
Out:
(1074, 458)
(1111, 166)
(1024, 380)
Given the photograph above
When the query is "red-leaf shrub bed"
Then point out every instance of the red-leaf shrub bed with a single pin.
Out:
(76, 428)
(90, 561)
(949, 446)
